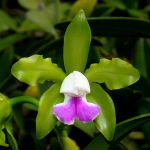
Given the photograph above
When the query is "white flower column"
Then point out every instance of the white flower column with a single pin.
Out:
(75, 106)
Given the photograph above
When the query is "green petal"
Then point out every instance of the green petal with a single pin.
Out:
(45, 120)
(116, 73)
(36, 69)
(106, 120)
(76, 43)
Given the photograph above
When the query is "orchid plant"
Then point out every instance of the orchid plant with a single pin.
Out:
(76, 94)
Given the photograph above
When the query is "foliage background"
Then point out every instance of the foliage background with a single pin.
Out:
(34, 27)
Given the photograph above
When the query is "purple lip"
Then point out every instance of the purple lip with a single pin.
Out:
(75, 108)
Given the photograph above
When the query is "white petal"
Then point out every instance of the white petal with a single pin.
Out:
(75, 84)
(81, 82)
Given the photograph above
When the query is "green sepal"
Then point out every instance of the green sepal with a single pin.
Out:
(5, 111)
(77, 43)
(36, 69)
(106, 120)
(11, 139)
(46, 120)
(116, 73)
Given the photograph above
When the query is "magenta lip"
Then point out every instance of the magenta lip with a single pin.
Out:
(76, 108)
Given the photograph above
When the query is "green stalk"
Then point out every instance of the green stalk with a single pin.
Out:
(23, 99)
(61, 130)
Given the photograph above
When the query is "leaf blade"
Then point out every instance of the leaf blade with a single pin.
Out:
(122, 129)
(8, 21)
(120, 27)
(11, 139)
(11, 39)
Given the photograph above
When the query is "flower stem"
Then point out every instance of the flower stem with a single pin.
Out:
(23, 99)
(61, 130)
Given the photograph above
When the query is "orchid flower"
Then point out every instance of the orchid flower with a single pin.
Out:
(73, 94)
(75, 106)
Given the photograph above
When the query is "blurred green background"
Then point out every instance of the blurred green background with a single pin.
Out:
(120, 28)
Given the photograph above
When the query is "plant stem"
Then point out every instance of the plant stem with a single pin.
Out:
(61, 130)
(23, 99)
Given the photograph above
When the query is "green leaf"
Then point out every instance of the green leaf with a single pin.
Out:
(29, 5)
(142, 56)
(88, 128)
(116, 73)
(53, 10)
(121, 131)
(102, 10)
(120, 27)
(144, 108)
(106, 120)
(122, 4)
(35, 4)
(146, 8)
(54, 44)
(86, 5)
(3, 27)
(11, 39)
(45, 18)
(117, 3)
(45, 120)
(11, 139)
(131, 4)
(77, 43)
(55, 144)
(32, 46)
(138, 86)
(5, 19)
(120, 146)
(6, 82)
(18, 116)
(64, 9)
(36, 69)
(5, 63)
(5, 110)
(44, 87)
(30, 129)
(135, 13)
(28, 25)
